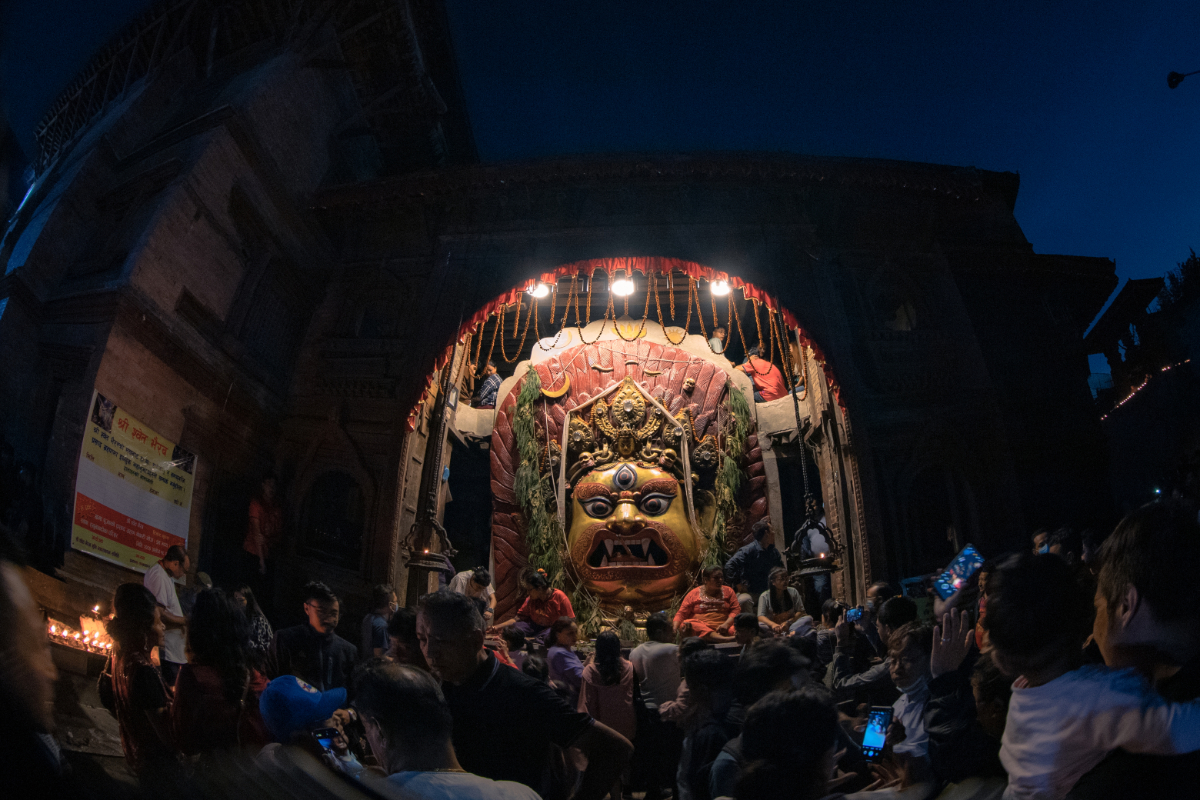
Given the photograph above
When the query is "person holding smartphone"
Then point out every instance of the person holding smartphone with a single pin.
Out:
(854, 676)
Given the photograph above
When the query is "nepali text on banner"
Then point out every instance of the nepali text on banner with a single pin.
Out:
(133, 490)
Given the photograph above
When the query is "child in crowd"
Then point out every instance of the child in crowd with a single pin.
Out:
(516, 645)
(607, 690)
(565, 666)
(1064, 718)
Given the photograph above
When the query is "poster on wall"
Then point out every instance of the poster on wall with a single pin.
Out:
(133, 492)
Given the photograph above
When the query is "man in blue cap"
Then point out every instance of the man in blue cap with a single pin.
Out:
(291, 707)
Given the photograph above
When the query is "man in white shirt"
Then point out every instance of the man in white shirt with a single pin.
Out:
(160, 580)
(909, 649)
(409, 727)
(656, 664)
(477, 585)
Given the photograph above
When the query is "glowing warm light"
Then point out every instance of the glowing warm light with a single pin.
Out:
(623, 287)
(539, 291)
(95, 609)
(820, 555)
(1141, 386)
(719, 288)
(53, 629)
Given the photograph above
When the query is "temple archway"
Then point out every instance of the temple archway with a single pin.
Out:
(639, 333)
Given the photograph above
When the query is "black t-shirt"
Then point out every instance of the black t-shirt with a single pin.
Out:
(505, 723)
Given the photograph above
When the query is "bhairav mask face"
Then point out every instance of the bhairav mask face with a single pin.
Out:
(630, 539)
(628, 437)
(630, 536)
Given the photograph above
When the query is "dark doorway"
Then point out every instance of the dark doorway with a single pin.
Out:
(468, 514)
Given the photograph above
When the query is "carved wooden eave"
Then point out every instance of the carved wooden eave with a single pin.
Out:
(381, 48)
(958, 183)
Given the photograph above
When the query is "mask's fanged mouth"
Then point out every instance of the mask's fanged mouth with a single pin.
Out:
(629, 551)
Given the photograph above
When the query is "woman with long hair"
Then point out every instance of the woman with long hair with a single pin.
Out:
(789, 746)
(141, 701)
(260, 627)
(780, 607)
(607, 690)
(216, 697)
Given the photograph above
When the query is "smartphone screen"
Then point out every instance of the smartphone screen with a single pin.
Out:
(853, 614)
(964, 565)
(325, 737)
(878, 721)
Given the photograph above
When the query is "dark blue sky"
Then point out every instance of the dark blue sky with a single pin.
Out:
(1071, 95)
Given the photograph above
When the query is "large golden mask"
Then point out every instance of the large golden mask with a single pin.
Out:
(629, 437)
(630, 539)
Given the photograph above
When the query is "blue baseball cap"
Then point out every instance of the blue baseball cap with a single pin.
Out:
(289, 706)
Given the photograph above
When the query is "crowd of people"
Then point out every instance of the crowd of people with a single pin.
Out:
(1070, 670)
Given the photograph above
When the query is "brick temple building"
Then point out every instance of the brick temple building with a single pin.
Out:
(259, 233)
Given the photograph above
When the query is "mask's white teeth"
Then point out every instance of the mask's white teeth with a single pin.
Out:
(604, 562)
(645, 547)
(650, 560)
(608, 545)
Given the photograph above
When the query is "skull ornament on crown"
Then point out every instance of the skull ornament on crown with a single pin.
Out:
(644, 431)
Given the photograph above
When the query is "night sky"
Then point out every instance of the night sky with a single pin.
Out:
(1071, 95)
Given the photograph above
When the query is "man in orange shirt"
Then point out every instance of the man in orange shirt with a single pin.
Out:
(768, 380)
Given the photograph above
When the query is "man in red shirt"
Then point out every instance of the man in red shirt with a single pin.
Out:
(768, 380)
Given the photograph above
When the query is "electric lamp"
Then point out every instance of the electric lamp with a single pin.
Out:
(623, 287)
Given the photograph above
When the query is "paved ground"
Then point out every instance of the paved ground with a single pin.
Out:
(85, 730)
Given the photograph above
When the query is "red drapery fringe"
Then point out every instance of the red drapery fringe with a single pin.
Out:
(644, 265)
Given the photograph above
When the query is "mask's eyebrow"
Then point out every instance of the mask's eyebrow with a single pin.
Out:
(661, 486)
(586, 491)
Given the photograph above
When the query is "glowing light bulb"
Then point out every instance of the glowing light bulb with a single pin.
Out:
(539, 291)
(95, 609)
(623, 287)
(77, 636)
(719, 288)
(53, 629)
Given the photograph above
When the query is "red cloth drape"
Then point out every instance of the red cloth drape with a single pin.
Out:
(644, 265)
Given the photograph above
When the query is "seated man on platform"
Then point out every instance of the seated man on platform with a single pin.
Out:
(489, 388)
(312, 651)
(409, 728)
(505, 722)
(768, 380)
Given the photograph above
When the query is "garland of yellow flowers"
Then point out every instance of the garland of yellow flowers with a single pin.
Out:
(658, 307)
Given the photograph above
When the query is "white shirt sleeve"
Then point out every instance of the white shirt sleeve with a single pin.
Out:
(161, 586)
(1133, 716)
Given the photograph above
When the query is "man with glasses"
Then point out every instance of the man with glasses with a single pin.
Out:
(312, 651)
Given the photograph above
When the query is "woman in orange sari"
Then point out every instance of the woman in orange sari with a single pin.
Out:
(708, 610)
